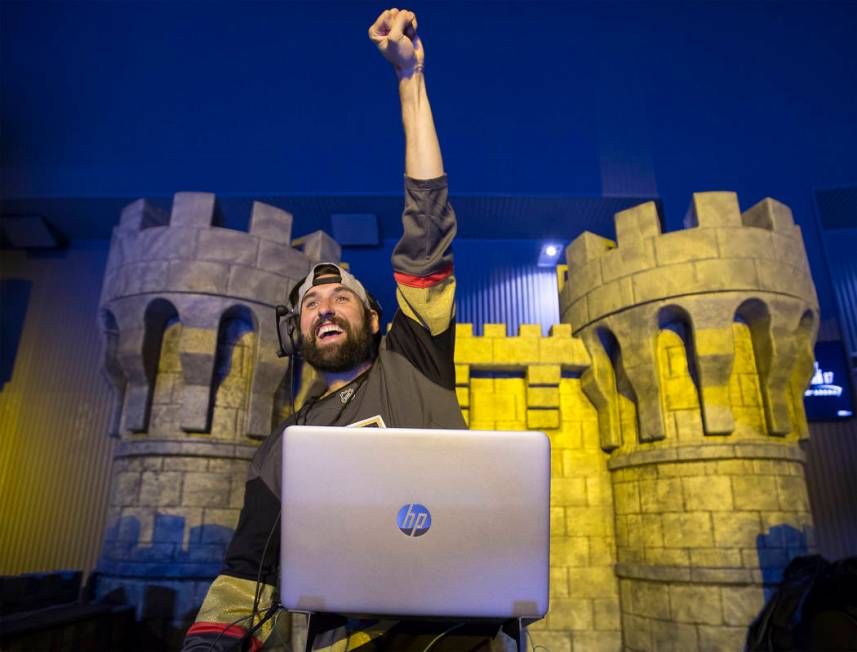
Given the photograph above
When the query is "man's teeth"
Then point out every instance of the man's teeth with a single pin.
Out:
(328, 330)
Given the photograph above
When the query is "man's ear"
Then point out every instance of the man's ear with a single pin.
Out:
(374, 324)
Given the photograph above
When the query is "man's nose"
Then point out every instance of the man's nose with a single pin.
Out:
(325, 310)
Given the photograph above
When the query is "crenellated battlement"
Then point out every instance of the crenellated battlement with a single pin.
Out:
(720, 250)
(201, 210)
(186, 251)
(497, 350)
(182, 268)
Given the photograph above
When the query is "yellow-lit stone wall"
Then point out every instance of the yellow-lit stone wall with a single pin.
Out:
(166, 394)
(679, 396)
(745, 396)
(233, 376)
(234, 371)
(545, 394)
(687, 542)
(708, 530)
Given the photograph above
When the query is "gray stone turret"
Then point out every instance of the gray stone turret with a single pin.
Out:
(187, 312)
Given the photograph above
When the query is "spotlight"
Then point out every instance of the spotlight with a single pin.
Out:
(549, 255)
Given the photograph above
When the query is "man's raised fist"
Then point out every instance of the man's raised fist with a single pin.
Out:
(395, 34)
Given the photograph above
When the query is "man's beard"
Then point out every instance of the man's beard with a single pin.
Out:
(355, 350)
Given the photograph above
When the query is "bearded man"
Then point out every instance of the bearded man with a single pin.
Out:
(404, 379)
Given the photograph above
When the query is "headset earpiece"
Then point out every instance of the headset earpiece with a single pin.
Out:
(288, 331)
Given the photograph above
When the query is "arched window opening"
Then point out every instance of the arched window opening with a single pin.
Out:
(751, 333)
(112, 369)
(611, 347)
(624, 391)
(806, 324)
(162, 366)
(233, 372)
(675, 319)
(802, 371)
(110, 331)
(677, 373)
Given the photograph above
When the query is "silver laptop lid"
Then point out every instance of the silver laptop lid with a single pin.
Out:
(412, 522)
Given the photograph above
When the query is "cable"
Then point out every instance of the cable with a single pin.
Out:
(291, 373)
(275, 629)
(275, 608)
(440, 636)
(257, 594)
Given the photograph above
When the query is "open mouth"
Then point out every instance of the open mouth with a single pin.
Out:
(328, 331)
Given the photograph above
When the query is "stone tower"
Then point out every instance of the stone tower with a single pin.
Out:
(701, 345)
(187, 313)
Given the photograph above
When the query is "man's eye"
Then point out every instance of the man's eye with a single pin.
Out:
(310, 304)
(342, 298)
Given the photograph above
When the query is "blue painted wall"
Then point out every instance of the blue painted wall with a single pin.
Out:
(115, 99)
(497, 281)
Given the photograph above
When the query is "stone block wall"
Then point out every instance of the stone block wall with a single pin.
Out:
(532, 382)
(230, 385)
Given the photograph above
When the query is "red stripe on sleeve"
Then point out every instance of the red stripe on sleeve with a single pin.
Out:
(227, 630)
(422, 281)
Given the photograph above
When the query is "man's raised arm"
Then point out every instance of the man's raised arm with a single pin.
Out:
(422, 259)
(395, 34)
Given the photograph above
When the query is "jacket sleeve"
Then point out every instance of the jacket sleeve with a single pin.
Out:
(226, 615)
(422, 259)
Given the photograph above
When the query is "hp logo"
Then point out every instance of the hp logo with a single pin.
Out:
(414, 519)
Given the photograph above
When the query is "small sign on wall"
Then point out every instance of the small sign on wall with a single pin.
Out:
(829, 396)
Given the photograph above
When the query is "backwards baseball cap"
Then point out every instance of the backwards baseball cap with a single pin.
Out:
(323, 274)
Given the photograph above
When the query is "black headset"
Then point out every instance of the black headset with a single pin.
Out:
(288, 331)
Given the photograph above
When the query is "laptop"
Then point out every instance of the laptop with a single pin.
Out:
(415, 522)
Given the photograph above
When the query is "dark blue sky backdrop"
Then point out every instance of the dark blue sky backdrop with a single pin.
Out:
(130, 98)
